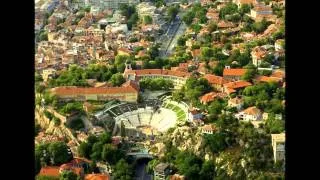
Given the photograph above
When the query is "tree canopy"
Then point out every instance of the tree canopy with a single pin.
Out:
(156, 84)
(117, 79)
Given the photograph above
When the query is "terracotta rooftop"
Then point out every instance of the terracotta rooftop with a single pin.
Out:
(278, 74)
(50, 171)
(158, 72)
(237, 84)
(72, 90)
(213, 79)
(208, 97)
(268, 79)
(96, 177)
(252, 110)
(234, 72)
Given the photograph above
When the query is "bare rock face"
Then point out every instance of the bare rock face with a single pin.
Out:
(186, 138)
(49, 126)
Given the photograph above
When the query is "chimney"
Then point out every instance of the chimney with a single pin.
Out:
(227, 67)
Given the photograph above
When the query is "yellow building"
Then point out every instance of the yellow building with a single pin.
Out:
(278, 146)
(178, 78)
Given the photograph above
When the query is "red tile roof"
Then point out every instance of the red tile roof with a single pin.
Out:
(268, 79)
(278, 74)
(208, 97)
(213, 79)
(237, 84)
(72, 90)
(252, 110)
(96, 177)
(50, 171)
(234, 72)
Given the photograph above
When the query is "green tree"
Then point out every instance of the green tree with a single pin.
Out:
(69, 175)
(181, 41)
(188, 18)
(229, 9)
(105, 138)
(212, 26)
(261, 26)
(245, 8)
(43, 36)
(84, 150)
(207, 170)
(59, 153)
(188, 164)
(109, 153)
(117, 79)
(147, 19)
(96, 151)
(153, 51)
(207, 52)
(275, 125)
(172, 12)
(39, 177)
(56, 121)
(249, 75)
(123, 170)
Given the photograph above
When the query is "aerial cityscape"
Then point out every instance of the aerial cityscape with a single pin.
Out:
(159, 89)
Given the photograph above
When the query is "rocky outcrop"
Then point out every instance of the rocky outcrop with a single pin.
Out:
(185, 139)
(49, 127)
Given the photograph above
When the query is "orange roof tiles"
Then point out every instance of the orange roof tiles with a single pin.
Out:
(237, 84)
(158, 72)
(72, 90)
(213, 79)
(211, 96)
(268, 79)
(234, 72)
(230, 90)
(252, 110)
(208, 97)
(278, 74)
(49, 171)
(96, 177)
